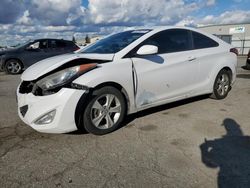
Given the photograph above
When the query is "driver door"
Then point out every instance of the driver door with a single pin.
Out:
(168, 75)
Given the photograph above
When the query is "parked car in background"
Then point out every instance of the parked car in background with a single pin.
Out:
(123, 74)
(248, 61)
(3, 48)
(14, 61)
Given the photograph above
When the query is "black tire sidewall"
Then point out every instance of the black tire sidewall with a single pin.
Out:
(12, 60)
(87, 123)
(215, 92)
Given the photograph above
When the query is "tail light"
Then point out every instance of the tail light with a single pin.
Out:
(234, 50)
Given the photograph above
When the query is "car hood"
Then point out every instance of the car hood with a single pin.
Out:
(2, 52)
(47, 65)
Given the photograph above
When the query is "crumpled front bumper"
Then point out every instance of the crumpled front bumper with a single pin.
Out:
(31, 108)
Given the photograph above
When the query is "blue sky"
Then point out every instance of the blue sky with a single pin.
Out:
(22, 20)
(85, 3)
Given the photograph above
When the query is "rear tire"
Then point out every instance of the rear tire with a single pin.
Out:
(13, 66)
(222, 85)
(105, 111)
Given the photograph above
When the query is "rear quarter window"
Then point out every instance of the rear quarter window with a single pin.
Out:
(60, 44)
(201, 41)
(53, 44)
(70, 44)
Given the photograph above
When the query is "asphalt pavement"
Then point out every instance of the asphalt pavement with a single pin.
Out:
(198, 142)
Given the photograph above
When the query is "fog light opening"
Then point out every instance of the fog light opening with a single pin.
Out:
(46, 119)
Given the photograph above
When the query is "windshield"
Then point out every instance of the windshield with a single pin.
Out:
(22, 44)
(115, 43)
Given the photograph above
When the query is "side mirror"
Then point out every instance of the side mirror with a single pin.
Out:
(147, 50)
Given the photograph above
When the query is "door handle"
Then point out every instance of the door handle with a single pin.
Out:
(191, 58)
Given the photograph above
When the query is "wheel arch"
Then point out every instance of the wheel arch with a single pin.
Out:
(216, 71)
(229, 70)
(215, 94)
(14, 58)
(117, 86)
(82, 103)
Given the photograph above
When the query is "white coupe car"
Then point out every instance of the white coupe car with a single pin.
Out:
(122, 74)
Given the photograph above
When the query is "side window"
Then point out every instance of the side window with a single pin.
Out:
(60, 44)
(71, 45)
(173, 40)
(34, 45)
(52, 44)
(43, 44)
(201, 41)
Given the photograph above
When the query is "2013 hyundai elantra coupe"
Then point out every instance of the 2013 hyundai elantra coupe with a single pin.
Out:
(122, 74)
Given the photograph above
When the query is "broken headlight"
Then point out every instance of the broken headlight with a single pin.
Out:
(61, 78)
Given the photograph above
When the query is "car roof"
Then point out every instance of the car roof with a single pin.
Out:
(161, 28)
(156, 29)
(51, 39)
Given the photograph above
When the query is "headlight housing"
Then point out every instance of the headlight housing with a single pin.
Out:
(61, 78)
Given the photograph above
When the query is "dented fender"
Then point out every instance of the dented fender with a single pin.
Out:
(118, 72)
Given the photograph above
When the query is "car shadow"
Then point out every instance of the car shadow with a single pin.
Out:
(244, 76)
(153, 58)
(153, 110)
(78, 132)
(129, 118)
(245, 67)
(231, 154)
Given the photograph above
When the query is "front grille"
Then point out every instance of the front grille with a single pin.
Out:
(23, 110)
(26, 87)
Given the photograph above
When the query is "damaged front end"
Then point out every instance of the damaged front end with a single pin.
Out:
(61, 77)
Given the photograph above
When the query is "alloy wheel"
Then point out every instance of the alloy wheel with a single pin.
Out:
(13, 67)
(105, 111)
(223, 84)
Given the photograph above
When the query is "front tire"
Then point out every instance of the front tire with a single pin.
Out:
(105, 111)
(13, 66)
(222, 85)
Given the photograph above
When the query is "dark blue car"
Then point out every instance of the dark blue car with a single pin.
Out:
(14, 61)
